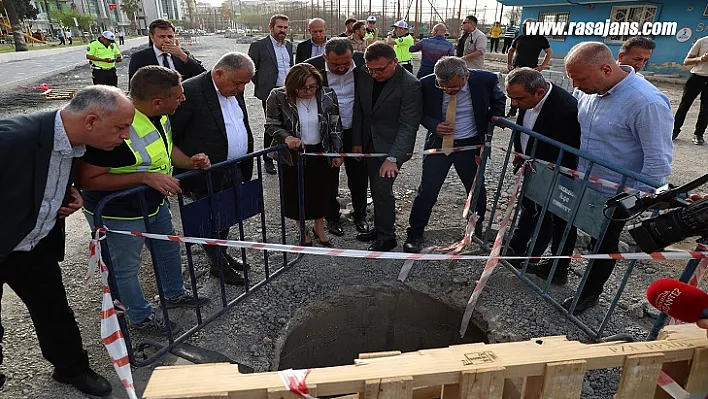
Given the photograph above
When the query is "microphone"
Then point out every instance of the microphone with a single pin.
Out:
(679, 300)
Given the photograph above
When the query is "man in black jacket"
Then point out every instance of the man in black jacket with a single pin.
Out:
(273, 57)
(165, 51)
(338, 66)
(314, 46)
(37, 154)
(213, 120)
(552, 112)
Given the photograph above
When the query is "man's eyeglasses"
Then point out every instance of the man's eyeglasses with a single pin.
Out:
(371, 71)
(449, 88)
(307, 89)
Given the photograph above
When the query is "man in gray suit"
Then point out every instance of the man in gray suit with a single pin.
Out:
(273, 57)
(387, 112)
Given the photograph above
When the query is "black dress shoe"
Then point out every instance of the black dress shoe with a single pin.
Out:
(362, 226)
(368, 236)
(584, 303)
(413, 245)
(383, 246)
(698, 140)
(541, 269)
(234, 263)
(270, 168)
(231, 277)
(334, 228)
(87, 382)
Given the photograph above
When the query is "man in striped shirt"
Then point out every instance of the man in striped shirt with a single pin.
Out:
(509, 35)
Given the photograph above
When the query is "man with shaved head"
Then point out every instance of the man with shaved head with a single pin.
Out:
(314, 46)
(433, 48)
(625, 120)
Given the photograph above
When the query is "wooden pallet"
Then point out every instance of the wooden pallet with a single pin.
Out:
(549, 367)
(58, 94)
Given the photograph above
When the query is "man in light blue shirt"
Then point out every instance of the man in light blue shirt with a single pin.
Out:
(625, 120)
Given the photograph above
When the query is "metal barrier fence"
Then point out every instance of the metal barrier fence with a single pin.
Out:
(582, 206)
(205, 216)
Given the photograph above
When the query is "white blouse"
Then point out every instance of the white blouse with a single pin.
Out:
(309, 121)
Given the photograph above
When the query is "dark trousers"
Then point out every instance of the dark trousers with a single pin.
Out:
(602, 269)
(267, 139)
(507, 44)
(121, 40)
(552, 228)
(357, 181)
(435, 169)
(694, 86)
(384, 201)
(424, 71)
(408, 67)
(35, 277)
(494, 44)
(62, 41)
(71, 41)
(105, 77)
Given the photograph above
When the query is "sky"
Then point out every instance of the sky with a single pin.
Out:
(485, 8)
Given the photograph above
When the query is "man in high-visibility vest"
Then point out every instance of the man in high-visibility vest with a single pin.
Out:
(402, 44)
(372, 32)
(146, 158)
(103, 54)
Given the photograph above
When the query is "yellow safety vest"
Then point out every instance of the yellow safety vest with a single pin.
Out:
(402, 47)
(97, 49)
(369, 35)
(151, 153)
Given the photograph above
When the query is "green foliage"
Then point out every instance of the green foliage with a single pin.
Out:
(130, 8)
(24, 9)
(66, 18)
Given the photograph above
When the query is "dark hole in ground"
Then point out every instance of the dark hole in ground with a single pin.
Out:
(373, 319)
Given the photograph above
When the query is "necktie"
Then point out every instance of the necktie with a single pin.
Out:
(448, 141)
(165, 60)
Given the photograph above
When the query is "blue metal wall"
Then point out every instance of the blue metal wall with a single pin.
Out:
(669, 54)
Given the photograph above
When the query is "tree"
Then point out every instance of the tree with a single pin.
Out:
(131, 8)
(66, 18)
(18, 10)
(513, 14)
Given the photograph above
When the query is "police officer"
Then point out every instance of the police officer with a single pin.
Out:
(371, 31)
(103, 54)
(402, 44)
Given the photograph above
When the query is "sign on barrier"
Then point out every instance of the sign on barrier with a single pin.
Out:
(589, 217)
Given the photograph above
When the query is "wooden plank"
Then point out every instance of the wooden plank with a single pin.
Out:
(431, 367)
(532, 387)
(564, 380)
(639, 376)
(485, 383)
(697, 383)
(374, 355)
(371, 389)
(395, 388)
(284, 393)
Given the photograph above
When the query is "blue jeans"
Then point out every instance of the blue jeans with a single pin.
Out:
(435, 169)
(125, 259)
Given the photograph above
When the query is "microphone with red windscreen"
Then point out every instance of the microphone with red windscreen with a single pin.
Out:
(679, 300)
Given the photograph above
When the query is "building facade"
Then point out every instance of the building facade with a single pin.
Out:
(691, 20)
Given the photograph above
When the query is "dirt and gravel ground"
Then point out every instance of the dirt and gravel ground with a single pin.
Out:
(254, 332)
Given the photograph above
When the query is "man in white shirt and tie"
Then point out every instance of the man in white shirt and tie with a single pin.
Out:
(337, 65)
(165, 51)
(273, 57)
(213, 120)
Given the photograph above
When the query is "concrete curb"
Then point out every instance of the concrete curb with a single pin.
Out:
(27, 55)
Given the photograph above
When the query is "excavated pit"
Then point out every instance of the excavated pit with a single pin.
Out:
(372, 320)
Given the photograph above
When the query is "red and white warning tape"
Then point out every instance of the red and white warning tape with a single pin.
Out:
(111, 334)
(494, 255)
(294, 381)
